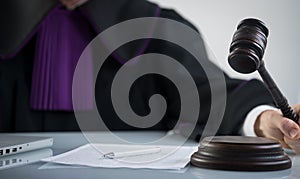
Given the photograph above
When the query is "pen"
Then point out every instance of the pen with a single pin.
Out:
(112, 155)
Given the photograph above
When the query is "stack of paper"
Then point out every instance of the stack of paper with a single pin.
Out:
(168, 157)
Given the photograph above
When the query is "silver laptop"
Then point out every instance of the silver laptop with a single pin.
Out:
(13, 144)
(20, 159)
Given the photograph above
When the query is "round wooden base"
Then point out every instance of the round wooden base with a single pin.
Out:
(240, 153)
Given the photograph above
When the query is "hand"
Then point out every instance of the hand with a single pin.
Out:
(273, 125)
(72, 4)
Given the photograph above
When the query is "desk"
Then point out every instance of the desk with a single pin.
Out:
(67, 141)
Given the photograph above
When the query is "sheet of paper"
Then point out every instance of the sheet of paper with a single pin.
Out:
(170, 157)
(54, 166)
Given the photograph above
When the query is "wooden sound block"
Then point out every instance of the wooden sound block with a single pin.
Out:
(240, 153)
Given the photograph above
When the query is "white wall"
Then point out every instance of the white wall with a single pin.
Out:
(217, 21)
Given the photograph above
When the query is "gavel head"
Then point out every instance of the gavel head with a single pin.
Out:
(248, 46)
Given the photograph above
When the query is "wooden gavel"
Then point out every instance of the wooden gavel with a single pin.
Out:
(246, 53)
(242, 153)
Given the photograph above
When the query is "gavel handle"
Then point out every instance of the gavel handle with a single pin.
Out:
(278, 97)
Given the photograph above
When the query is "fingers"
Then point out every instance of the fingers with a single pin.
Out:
(296, 108)
(284, 144)
(293, 144)
(286, 126)
(274, 125)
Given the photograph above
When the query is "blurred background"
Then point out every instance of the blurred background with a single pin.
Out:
(217, 21)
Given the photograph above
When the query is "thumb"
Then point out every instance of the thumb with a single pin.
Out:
(289, 128)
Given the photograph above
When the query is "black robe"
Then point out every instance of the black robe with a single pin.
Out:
(18, 23)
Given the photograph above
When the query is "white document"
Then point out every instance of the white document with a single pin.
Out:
(169, 157)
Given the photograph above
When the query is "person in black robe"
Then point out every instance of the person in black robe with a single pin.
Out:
(20, 83)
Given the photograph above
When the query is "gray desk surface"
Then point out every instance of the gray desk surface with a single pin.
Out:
(67, 141)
